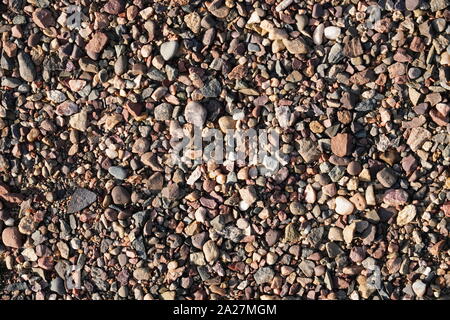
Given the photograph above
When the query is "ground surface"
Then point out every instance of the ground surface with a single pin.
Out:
(92, 102)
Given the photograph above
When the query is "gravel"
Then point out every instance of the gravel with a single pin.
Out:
(354, 204)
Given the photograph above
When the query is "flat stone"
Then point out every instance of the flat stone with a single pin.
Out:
(417, 137)
(43, 18)
(114, 6)
(395, 197)
(81, 199)
(79, 121)
(118, 172)
(27, 70)
(296, 46)
(97, 42)
(332, 32)
(387, 177)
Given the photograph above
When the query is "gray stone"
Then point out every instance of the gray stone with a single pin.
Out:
(264, 275)
(212, 89)
(81, 199)
(118, 172)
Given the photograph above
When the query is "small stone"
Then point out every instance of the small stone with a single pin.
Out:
(79, 121)
(419, 288)
(142, 274)
(172, 192)
(163, 112)
(411, 4)
(120, 195)
(43, 18)
(264, 275)
(395, 197)
(332, 32)
(97, 42)
(309, 150)
(297, 208)
(291, 233)
(210, 251)
(344, 206)
(414, 73)
(195, 113)
(118, 172)
(387, 177)
(283, 115)
(437, 5)
(212, 89)
(342, 144)
(417, 137)
(114, 6)
(406, 215)
(296, 46)
(81, 199)
(26, 67)
(120, 67)
(353, 48)
(354, 168)
(168, 50)
(11, 237)
(192, 21)
(248, 194)
(67, 108)
(272, 237)
(57, 285)
(227, 123)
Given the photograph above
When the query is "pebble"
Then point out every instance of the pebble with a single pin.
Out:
(118, 172)
(406, 215)
(332, 32)
(11, 237)
(26, 67)
(210, 251)
(344, 206)
(120, 195)
(195, 113)
(81, 199)
(168, 50)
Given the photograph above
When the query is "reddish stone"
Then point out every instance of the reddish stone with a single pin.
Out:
(438, 118)
(342, 144)
(97, 43)
(11, 237)
(114, 6)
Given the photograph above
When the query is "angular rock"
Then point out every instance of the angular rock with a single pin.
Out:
(81, 199)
